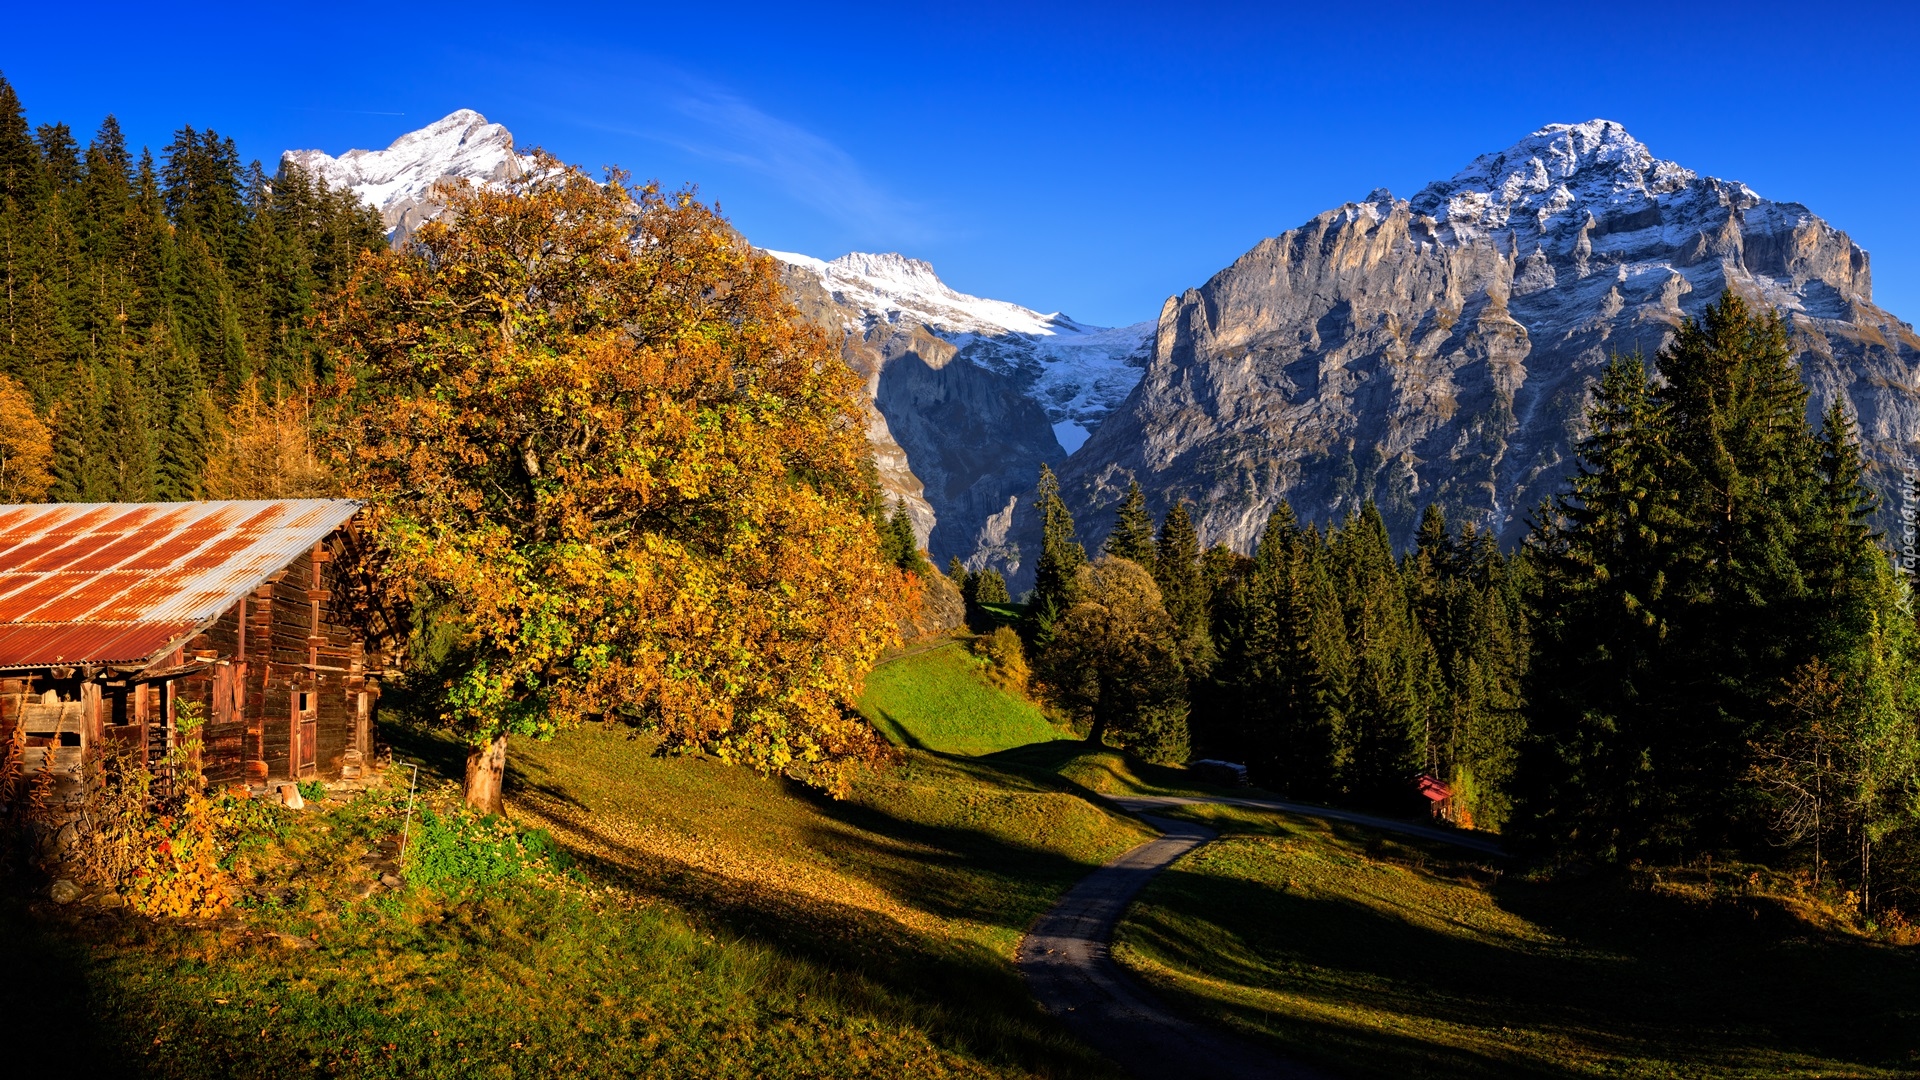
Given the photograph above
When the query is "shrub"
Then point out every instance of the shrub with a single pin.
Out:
(1006, 658)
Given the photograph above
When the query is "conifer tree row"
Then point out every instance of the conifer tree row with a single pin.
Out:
(1724, 657)
(1342, 672)
(139, 299)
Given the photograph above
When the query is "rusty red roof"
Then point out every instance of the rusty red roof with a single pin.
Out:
(123, 582)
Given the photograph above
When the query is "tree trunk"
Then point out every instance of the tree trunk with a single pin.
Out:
(1097, 734)
(486, 775)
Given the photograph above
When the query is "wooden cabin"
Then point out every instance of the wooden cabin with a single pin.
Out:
(113, 616)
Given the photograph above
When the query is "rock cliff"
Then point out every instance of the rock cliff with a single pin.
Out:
(969, 395)
(1408, 351)
(1440, 348)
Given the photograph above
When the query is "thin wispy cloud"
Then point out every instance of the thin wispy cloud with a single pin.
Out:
(707, 122)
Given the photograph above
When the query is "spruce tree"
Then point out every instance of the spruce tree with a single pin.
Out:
(98, 249)
(1176, 569)
(1061, 557)
(1388, 697)
(1132, 535)
(1701, 555)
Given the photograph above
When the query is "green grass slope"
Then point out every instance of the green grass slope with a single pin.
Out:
(939, 699)
(715, 923)
(1376, 957)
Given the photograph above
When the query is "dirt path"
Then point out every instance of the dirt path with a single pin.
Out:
(1138, 803)
(1064, 957)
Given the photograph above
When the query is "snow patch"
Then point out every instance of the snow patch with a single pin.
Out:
(1076, 372)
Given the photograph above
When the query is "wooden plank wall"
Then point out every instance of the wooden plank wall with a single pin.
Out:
(288, 637)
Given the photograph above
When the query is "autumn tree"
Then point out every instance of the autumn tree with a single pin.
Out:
(26, 447)
(1112, 661)
(265, 450)
(615, 475)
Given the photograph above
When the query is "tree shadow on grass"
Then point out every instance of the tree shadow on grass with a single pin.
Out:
(1377, 991)
(437, 752)
(1735, 962)
(963, 994)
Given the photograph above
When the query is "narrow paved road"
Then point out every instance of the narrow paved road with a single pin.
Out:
(1065, 959)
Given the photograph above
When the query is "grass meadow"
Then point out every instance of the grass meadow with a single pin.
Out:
(693, 920)
(1375, 956)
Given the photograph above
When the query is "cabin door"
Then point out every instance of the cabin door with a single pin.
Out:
(306, 724)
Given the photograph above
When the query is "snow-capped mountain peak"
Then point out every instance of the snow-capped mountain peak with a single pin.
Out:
(1077, 373)
(1560, 174)
(396, 181)
(889, 285)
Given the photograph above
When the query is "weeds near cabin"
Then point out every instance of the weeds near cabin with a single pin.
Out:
(455, 852)
(163, 855)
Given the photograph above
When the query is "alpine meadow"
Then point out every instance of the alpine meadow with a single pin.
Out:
(467, 610)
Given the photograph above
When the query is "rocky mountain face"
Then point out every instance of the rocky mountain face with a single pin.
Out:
(1440, 348)
(969, 395)
(397, 180)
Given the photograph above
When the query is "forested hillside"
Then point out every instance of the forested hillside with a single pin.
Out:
(149, 298)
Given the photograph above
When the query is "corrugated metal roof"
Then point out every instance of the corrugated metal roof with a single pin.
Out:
(119, 582)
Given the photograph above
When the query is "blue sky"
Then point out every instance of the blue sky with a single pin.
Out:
(1091, 160)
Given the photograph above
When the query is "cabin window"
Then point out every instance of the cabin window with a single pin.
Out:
(306, 701)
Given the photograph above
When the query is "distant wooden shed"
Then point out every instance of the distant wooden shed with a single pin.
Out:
(113, 615)
(1439, 796)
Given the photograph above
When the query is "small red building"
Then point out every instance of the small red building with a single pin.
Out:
(112, 615)
(1438, 795)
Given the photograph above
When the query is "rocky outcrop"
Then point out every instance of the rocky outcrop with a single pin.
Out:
(1432, 349)
(1441, 348)
(942, 610)
(968, 396)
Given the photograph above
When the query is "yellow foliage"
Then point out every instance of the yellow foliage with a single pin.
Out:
(265, 451)
(165, 860)
(26, 447)
(623, 475)
(1008, 659)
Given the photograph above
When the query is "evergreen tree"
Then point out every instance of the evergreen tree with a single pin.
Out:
(1389, 697)
(1705, 549)
(899, 544)
(990, 588)
(1132, 535)
(1061, 556)
(1278, 688)
(138, 302)
(1176, 569)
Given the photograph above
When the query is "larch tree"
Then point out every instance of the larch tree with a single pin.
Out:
(615, 475)
(26, 447)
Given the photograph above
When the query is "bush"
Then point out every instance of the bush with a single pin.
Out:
(1006, 659)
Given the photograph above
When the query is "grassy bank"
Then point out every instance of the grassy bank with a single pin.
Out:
(1377, 957)
(941, 699)
(698, 921)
